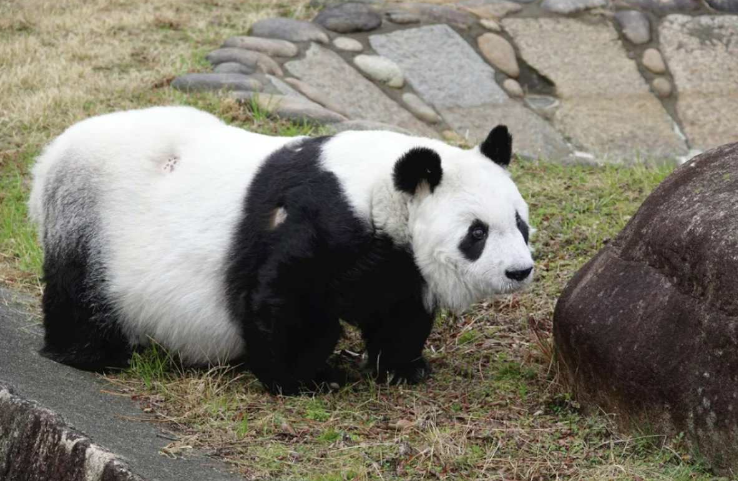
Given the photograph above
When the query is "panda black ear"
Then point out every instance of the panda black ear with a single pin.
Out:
(417, 165)
(498, 146)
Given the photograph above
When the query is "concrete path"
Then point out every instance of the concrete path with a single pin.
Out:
(99, 434)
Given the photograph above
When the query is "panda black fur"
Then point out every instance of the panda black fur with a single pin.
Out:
(222, 245)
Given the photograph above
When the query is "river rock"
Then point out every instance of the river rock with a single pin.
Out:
(499, 53)
(571, 6)
(661, 86)
(380, 69)
(257, 60)
(439, 14)
(606, 107)
(494, 10)
(653, 61)
(490, 25)
(513, 88)
(635, 25)
(362, 99)
(420, 109)
(348, 44)
(289, 29)
(348, 18)
(269, 46)
(234, 67)
(730, 6)
(402, 17)
(193, 82)
(648, 328)
(660, 6)
(702, 53)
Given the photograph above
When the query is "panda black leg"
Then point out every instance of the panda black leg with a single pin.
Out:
(291, 357)
(395, 344)
(77, 332)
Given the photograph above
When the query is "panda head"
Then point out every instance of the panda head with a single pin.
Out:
(467, 221)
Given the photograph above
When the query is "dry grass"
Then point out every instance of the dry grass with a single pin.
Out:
(492, 410)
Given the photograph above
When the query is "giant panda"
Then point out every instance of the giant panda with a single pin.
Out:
(222, 245)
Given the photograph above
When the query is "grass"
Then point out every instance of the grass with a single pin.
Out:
(493, 408)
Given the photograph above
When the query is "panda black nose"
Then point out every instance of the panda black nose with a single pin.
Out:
(520, 275)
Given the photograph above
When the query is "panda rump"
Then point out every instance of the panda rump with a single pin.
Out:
(222, 245)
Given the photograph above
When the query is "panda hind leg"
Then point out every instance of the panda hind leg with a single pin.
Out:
(293, 357)
(395, 342)
(79, 330)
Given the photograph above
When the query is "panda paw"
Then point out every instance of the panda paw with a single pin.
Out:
(407, 373)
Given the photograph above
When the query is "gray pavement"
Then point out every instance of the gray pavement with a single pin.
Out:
(78, 398)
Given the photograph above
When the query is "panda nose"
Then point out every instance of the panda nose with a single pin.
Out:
(520, 275)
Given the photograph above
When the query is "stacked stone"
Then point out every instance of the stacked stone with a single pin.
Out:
(568, 89)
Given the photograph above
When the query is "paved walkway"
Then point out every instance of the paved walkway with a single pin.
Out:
(65, 423)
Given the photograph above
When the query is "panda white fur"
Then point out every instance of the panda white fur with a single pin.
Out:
(225, 245)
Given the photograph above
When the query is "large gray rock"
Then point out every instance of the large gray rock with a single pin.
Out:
(360, 98)
(289, 29)
(348, 18)
(441, 66)
(533, 137)
(648, 328)
(193, 82)
(702, 53)
(571, 6)
(606, 106)
(257, 60)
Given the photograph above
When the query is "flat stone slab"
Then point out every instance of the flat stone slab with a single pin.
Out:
(702, 54)
(357, 96)
(441, 66)
(77, 412)
(606, 106)
(533, 137)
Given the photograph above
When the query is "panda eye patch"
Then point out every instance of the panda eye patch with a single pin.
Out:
(522, 227)
(472, 245)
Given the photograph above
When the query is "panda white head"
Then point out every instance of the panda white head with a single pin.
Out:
(467, 220)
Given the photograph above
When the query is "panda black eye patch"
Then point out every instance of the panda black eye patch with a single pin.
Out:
(522, 227)
(472, 245)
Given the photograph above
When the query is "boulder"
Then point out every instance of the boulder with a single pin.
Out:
(648, 328)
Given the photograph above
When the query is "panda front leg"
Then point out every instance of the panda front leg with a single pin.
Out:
(395, 343)
(288, 350)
